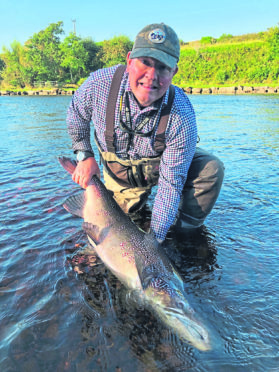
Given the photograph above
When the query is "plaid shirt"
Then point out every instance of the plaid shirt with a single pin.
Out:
(89, 104)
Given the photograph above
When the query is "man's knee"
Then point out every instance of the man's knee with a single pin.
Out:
(205, 168)
(212, 175)
(202, 187)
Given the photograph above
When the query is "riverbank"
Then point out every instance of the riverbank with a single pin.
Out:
(233, 90)
(189, 90)
(38, 92)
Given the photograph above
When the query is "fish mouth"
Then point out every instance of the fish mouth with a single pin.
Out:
(188, 328)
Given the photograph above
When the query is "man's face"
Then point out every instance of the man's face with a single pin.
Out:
(149, 78)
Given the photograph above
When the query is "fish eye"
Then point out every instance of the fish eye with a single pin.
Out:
(180, 305)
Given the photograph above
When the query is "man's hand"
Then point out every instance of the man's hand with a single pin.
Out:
(84, 171)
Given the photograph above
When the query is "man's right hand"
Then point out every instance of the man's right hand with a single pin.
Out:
(85, 170)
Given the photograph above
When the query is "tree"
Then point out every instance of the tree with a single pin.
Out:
(14, 68)
(114, 51)
(43, 53)
(73, 57)
(92, 61)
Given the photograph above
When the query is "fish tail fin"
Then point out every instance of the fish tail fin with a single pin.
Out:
(68, 164)
(75, 204)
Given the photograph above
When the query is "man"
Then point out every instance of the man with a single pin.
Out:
(145, 129)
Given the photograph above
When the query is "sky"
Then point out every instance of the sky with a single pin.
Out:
(101, 20)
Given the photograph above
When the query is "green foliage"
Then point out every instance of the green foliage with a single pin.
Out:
(81, 81)
(224, 38)
(92, 61)
(229, 64)
(2, 65)
(208, 40)
(15, 65)
(44, 54)
(73, 57)
(222, 76)
(114, 51)
(272, 39)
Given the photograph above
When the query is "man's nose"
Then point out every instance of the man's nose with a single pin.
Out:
(151, 73)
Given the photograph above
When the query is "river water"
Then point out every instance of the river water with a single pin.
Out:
(61, 310)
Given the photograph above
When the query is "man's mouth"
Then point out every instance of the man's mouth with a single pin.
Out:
(148, 87)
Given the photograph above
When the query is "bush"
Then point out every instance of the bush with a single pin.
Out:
(221, 76)
(81, 81)
(224, 38)
(208, 40)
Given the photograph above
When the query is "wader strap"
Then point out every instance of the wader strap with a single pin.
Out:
(110, 112)
(159, 143)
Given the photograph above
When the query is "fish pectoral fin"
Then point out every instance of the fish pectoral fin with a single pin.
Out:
(146, 271)
(75, 204)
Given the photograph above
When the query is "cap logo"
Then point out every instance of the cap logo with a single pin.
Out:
(157, 36)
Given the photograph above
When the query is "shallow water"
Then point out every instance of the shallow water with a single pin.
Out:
(61, 310)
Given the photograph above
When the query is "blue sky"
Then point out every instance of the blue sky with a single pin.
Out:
(20, 19)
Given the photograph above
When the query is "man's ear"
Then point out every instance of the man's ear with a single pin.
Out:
(128, 59)
(175, 70)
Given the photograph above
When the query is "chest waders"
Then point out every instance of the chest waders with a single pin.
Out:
(131, 180)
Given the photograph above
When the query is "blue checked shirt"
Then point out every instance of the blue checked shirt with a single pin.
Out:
(89, 104)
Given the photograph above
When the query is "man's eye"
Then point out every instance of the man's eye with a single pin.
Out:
(145, 62)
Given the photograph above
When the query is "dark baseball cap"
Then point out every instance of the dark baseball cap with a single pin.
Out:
(158, 41)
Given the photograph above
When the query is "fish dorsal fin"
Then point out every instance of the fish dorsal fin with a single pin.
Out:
(75, 204)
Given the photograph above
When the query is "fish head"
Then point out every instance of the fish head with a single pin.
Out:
(174, 310)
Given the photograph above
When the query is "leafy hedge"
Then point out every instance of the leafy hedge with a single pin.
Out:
(249, 63)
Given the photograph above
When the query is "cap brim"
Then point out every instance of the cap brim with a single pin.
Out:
(161, 56)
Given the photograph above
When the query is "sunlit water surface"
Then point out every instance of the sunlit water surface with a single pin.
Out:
(61, 310)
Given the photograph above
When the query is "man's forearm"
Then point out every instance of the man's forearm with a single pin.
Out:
(79, 131)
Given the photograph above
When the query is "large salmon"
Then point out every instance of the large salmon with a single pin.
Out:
(135, 258)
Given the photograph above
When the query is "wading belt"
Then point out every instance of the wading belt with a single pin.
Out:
(132, 173)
